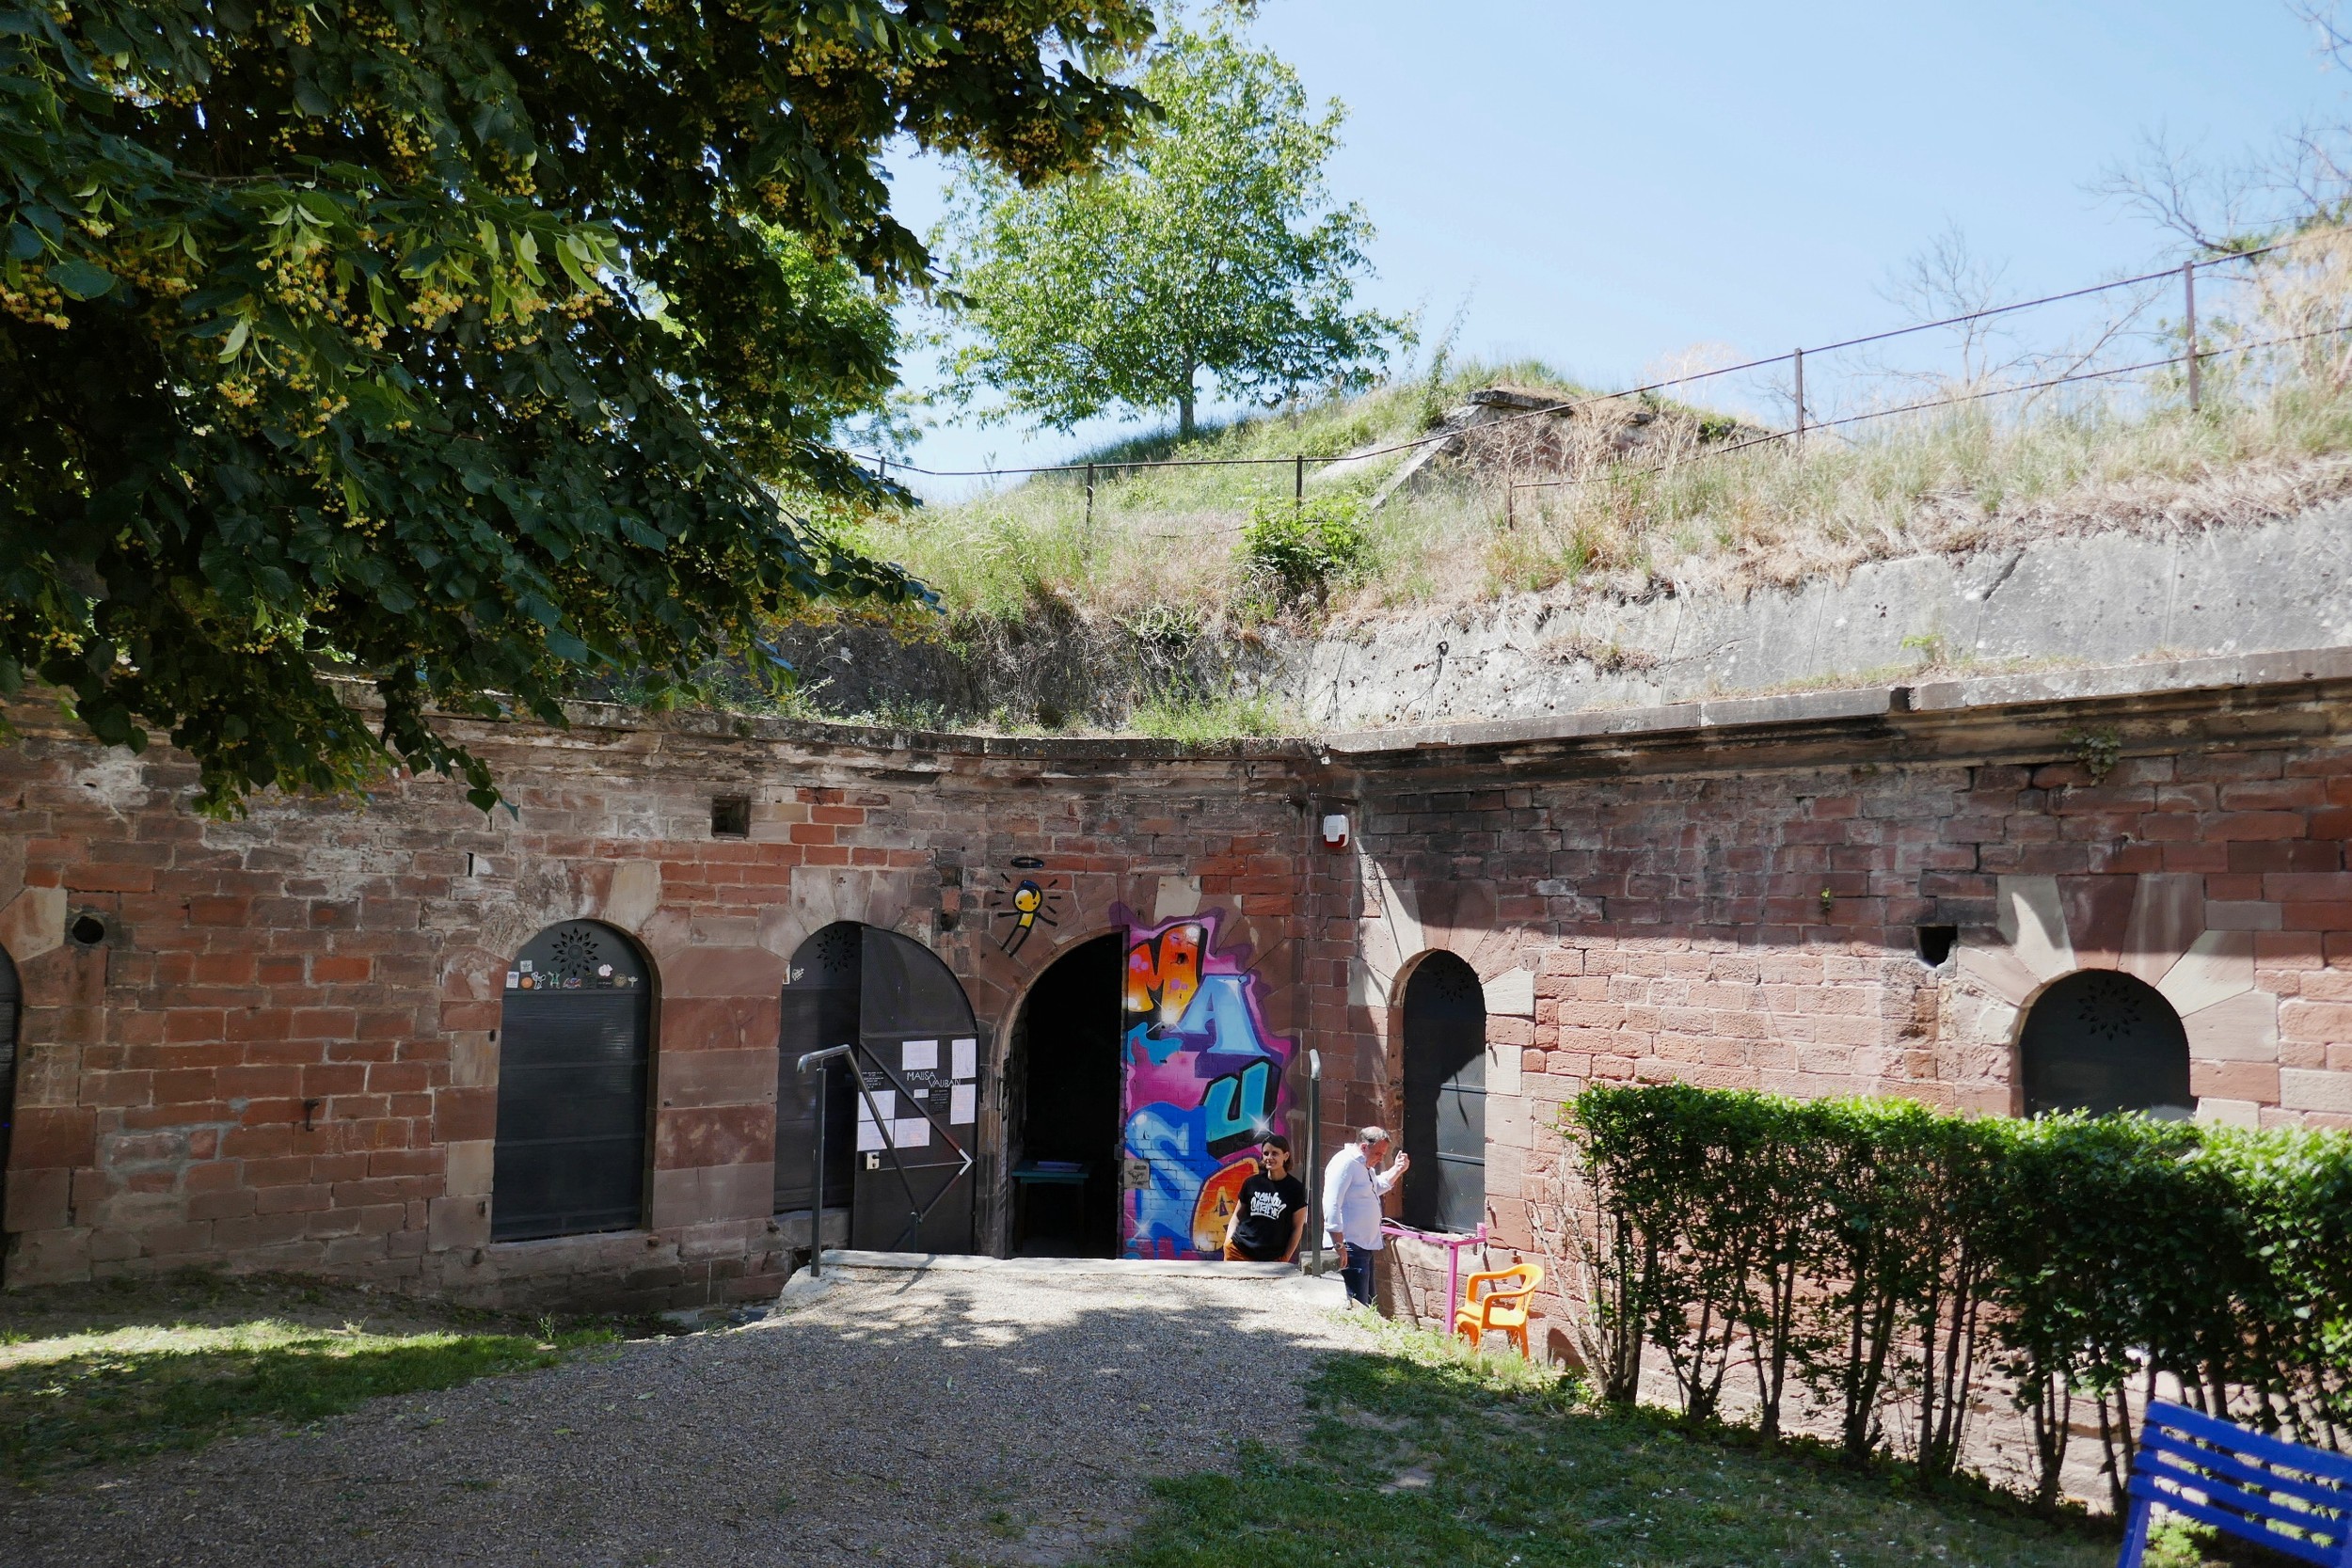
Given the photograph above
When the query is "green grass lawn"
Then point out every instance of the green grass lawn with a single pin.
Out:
(1423, 1456)
(99, 1374)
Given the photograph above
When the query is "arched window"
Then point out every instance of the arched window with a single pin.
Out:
(574, 1045)
(1445, 1094)
(2100, 1040)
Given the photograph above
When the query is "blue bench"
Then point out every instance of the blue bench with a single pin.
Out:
(2288, 1498)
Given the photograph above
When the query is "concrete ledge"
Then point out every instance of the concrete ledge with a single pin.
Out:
(1058, 1268)
(1796, 709)
(2132, 680)
(1081, 756)
(1087, 755)
(1889, 703)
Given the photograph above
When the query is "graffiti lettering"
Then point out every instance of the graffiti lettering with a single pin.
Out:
(1159, 1220)
(1164, 974)
(1203, 1086)
(1220, 1194)
(1240, 1107)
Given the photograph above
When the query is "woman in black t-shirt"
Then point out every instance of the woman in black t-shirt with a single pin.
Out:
(1270, 1214)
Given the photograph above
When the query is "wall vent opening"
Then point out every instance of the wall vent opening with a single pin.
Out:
(730, 816)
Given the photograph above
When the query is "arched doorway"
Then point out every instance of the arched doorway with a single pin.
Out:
(1062, 1112)
(918, 1049)
(2101, 1040)
(10, 1000)
(575, 1046)
(1445, 1094)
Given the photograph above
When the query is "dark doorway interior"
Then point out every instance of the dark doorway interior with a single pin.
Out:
(1065, 1165)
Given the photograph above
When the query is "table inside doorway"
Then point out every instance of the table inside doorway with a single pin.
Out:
(1049, 1173)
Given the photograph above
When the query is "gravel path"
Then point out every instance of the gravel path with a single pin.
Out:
(1000, 1415)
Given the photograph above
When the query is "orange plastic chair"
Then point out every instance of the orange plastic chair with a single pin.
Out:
(1508, 1301)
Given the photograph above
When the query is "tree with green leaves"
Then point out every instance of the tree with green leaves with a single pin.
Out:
(460, 349)
(1211, 244)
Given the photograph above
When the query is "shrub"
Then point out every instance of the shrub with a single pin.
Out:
(1307, 548)
(1886, 1256)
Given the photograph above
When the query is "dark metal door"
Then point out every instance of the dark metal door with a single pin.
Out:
(914, 1132)
(820, 1004)
(915, 1030)
(10, 999)
(900, 1129)
(2101, 1040)
(1445, 1096)
(574, 1045)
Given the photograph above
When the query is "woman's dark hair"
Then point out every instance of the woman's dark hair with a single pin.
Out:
(1275, 1140)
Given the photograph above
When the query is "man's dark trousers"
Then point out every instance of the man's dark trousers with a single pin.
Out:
(1357, 1271)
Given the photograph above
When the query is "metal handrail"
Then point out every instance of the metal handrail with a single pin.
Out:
(917, 1214)
(822, 1059)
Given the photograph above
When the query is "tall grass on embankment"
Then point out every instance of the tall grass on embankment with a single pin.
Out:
(2273, 436)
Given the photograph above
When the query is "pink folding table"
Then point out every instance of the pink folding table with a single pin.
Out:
(1454, 1245)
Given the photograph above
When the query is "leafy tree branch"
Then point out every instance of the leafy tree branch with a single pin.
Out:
(463, 346)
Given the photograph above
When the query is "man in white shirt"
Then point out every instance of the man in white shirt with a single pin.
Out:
(1352, 1190)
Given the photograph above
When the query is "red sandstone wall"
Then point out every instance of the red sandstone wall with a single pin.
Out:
(1675, 927)
(284, 1054)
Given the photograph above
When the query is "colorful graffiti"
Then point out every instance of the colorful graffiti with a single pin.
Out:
(1204, 1084)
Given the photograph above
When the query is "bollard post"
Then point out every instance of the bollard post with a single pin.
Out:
(1315, 1153)
(1800, 436)
(2188, 297)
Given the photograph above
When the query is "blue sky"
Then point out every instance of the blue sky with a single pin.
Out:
(1610, 183)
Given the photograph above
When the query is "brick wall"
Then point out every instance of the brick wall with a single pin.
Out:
(1749, 926)
(282, 1052)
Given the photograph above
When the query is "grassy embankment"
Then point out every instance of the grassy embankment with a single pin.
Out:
(1164, 553)
(1425, 1454)
(103, 1374)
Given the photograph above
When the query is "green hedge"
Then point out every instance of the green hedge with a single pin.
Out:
(1876, 1251)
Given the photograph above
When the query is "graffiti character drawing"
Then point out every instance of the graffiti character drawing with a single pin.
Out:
(1024, 903)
